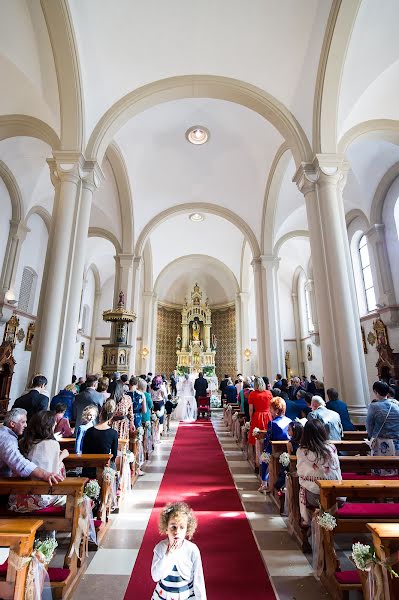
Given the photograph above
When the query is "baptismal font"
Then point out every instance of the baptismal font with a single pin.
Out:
(195, 348)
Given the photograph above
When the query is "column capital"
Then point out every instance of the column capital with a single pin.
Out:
(268, 260)
(256, 263)
(327, 169)
(18, 229)
(125, 260)
(137, 261)
(72, 166)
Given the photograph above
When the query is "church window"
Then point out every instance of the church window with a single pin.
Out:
(396, 216)
(308, 308)
(27, 290)
(368, 284)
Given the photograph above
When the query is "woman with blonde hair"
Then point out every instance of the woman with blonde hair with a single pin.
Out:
(259, 408)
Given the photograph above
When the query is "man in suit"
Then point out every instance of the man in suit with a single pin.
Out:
(330, 419)
(88, 397)
(173, 383)
(35, 400)
(223, 386)
(339, 407)
(200, 386)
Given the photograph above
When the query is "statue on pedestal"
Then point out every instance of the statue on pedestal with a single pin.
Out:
(196, 329)
(178, 342)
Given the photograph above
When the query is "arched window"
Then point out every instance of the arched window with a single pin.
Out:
(366, 274)
(27, 290)
(308, 308)
(396, 215)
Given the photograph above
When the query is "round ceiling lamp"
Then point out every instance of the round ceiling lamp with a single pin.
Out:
(197, 135)
(196, 217)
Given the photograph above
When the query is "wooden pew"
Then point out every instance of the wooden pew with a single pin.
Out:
(349, 465)
(97, 461)
(19, 536)
(62, 519)
(336, 581)
(357, 436)
(386, 545)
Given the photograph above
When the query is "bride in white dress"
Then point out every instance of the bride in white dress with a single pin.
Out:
(186, 409)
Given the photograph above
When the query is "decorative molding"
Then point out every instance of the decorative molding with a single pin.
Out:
(27, 126)
(13, 191)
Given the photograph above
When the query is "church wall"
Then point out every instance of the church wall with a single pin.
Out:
(392, 233)
(224, 327)
(168, 327)
(103, 329)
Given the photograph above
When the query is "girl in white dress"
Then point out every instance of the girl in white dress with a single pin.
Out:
(176, 564)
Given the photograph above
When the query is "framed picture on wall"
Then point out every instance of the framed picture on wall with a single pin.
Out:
(82, 350)
(309, 352)
(30, 334)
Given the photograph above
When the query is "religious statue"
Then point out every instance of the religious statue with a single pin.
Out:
(195, 330)
(121, 299)
(178, 342)
(214, 342)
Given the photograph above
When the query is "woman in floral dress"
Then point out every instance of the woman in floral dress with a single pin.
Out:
(123, 419)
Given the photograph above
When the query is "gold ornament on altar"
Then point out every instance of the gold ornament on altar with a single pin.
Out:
(20, 335)
(247, 354)
(11, 329)
(371, 338)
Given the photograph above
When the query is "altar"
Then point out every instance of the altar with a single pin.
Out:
(196, 347)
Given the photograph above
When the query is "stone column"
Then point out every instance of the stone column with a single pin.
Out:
(148, 299)
(153, 346)
(273, 342)
(297, 323)
(91, 176)
(16, 238)
(380, 269)
(239, 347)
(245, 341)
(322, 182)
(260, 324)
(135, 306)
(97, 298)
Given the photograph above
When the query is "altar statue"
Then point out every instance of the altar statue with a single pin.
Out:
(196, 329)
(178, 342)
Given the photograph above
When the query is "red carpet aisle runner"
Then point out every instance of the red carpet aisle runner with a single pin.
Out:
(197, 473)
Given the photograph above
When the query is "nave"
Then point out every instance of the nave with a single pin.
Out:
(246, 549)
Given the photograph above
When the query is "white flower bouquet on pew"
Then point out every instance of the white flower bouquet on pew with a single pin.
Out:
(265, 457)
(284, 459)
(365, 557)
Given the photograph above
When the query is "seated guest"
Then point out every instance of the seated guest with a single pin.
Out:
(35, 400)
(102, 438)
(40, 446)
(293, 390)
(86, 398)
(284, 389)
(293, 410)
(231, 392)
(311, 389)
(320, 389)
(123, 421)
(316, 459)
(244, 397)
(89, 418)
(300, 401)
(65, 396)
(102, 387)
(62, 425)
(295, 430)
(12, 462)
(330, 419)
(277, 430)
(334, 403)
(394, 385)
(382, 422)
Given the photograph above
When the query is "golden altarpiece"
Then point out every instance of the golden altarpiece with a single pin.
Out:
(195, 348)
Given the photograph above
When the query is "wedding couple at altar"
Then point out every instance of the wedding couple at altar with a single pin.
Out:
(186, 410)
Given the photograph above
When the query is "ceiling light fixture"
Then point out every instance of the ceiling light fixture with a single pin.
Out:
(196, 217)
(197, 135)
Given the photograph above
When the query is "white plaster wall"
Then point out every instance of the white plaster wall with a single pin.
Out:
(286, 310)
(105, 211)
(33, 255)
(103, 330)
(5, 217)
(290, 346)
(392, 232)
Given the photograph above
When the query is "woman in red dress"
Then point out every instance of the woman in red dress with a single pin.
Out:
(259, 407)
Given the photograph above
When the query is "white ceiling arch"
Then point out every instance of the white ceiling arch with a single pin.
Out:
(378, 129)
(27, 126)
(176, 280)
(203, 207)
(199, 86)
(13, 190)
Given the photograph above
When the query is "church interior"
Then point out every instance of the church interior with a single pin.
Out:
(194, 192)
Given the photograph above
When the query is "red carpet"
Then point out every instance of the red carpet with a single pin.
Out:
(197, 473)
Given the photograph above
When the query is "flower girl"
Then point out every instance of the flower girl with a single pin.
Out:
(176, 565)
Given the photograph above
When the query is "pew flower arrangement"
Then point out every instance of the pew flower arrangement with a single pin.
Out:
(247, 426)
(140, 433)
(37, 575)
(255, 431)
(235, 417)
(265, 457)
(326, 520)
(364, 557)
(44, 550)
(92, 489)
(108, 474)
(284, 459)
(154, 417)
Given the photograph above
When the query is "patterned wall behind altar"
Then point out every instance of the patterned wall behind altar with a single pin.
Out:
(168, 327)
(224, 327)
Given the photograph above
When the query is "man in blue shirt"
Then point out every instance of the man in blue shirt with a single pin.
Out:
(337, 405)
(330, 419)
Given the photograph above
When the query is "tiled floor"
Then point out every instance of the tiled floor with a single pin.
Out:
(288, 568)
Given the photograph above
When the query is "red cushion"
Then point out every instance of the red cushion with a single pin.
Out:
(49, 510)
(361, 510)
(347, 577)
(3, 568)
(367, 476)
(97, 523)
(58, 574)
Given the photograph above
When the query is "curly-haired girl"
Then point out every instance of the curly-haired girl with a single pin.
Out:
(176, 565)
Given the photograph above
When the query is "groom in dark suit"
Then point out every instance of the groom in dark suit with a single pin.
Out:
(200, 386)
